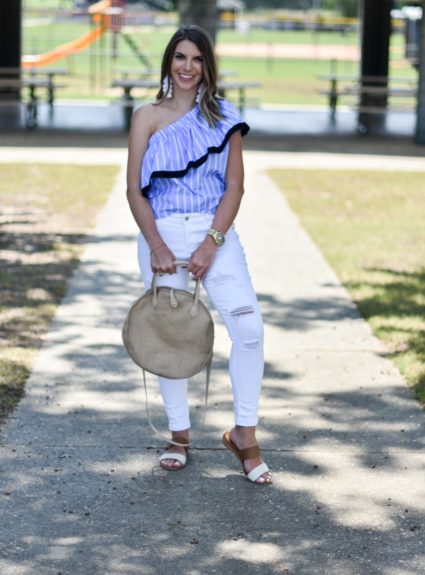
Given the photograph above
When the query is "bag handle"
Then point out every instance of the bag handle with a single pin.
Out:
(196, 297)
(193, 312)
(204, 410)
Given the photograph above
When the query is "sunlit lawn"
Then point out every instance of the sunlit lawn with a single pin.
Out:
(283, 80)
(370, 227)
(45, 213)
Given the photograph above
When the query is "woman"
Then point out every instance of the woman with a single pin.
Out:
(184, 187)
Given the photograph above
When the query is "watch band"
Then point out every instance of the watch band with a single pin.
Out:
(217, 236)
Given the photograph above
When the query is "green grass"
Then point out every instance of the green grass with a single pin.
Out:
(287, 37)
(283, 81)
(370, 227)
(46, 212)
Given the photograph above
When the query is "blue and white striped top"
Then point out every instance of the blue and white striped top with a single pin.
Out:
(184, 167)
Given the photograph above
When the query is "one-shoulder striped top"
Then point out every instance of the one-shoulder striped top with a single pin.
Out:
(184, 166)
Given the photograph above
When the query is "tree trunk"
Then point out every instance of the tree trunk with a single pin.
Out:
(376, 31)
(203, 14)
(10, 45)
(420, 115)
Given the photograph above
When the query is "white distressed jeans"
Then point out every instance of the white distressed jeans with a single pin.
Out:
(230, 290)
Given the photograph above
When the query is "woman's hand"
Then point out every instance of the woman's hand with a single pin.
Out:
(162, 260)
(202, 258)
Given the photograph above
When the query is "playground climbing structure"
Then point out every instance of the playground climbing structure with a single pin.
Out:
(106, 15)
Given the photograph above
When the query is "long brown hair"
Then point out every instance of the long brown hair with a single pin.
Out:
(208, 103)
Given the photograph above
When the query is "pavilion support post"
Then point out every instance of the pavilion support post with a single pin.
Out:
(10, 44)
(375, 43)
(420, 115)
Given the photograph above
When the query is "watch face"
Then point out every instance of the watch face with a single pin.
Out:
(217, 236)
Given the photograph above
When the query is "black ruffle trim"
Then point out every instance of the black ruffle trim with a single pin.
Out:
(242, 126)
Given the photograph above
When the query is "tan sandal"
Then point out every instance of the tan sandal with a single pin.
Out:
(248, 453)
(170, 454)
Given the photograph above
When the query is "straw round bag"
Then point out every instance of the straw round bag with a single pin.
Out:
(169, 332)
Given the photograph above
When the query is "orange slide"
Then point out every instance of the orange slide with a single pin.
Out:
(76, 45)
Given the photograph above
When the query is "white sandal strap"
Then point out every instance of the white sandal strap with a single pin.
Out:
(176, 456)
(257, 472)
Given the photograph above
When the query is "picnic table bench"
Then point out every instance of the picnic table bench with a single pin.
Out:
(129, 84)
(13, 80)
(240, 86)
(49, 74)
(126, 73)
(146, 72)
(377, 87)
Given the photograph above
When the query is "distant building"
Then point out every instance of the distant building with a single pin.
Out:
(228, 11)
(412, 16)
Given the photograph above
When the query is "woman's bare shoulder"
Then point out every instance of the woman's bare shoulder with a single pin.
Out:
(146, 118)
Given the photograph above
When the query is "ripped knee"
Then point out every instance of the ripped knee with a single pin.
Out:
(249, 326)
(243, 321)
(243, 310)
(251, 345)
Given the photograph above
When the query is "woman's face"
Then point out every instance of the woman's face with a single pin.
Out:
(187, 66)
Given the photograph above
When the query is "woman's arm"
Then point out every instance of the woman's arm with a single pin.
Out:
(227, 210)
(141, 129)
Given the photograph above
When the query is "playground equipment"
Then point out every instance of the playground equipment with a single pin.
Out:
(62, 51)
(106, 15)
(100, 16)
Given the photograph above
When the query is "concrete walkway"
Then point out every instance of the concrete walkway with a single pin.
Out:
(80, 487)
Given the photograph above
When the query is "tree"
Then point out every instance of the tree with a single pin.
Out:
(347, 8)
(203, 14)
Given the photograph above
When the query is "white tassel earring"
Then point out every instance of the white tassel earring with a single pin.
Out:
(167, 87)
(199, 92)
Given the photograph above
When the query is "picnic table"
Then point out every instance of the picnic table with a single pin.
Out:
(240, 86)
(146, 72)
(376, 89)
(13, 80)
(49, 74)
(126, 73)
(129, 84)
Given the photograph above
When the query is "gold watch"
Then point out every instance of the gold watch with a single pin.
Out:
(217, 236)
